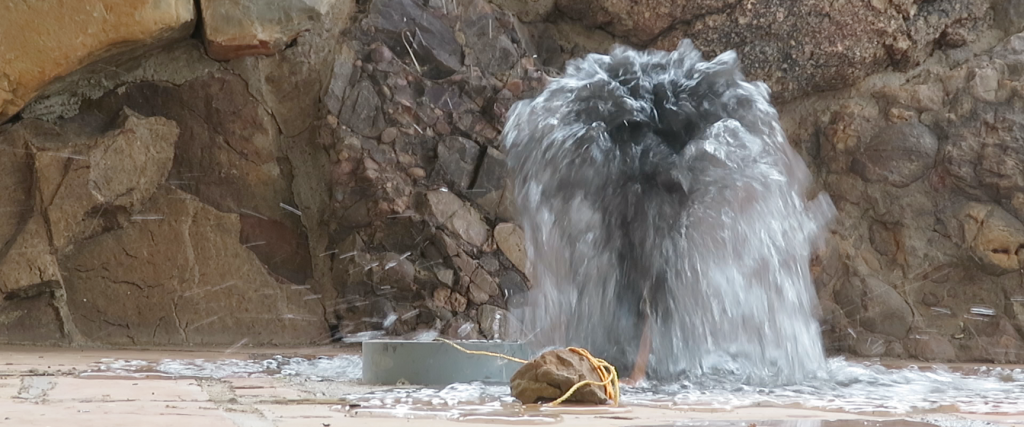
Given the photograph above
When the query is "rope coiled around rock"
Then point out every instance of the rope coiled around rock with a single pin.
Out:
(609, 376)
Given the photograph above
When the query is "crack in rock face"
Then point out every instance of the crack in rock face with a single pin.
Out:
(657, 187)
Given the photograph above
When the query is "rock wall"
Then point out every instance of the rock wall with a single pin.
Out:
(925, 170)
(303, 172)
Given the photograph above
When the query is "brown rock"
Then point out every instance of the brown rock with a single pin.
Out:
(482, 286)
(868, 345)
(515, 87)
(381, 54)
(991, 236)
(514, 289)
(552, 374)
(109, 178)
(362, 111)
(30, 259)
(1015, 310)
(183, 279)
(456, 161)
(528, 11)
(441, 296)
(126, 165)
(462, 328)
(984, 86)
(445, 275)
(341, 79)
(457, 302)
(283, 249)
(898, 154)
(487, 45)
(831, 315)
(224, 129)
(237, 28)
(947, 246)
(499, 204)
(392, 272)
(982, 156)
(457, 216)
(932, 348)
(417, 173)
(31, 319)
(639, 21)
(291, 83)
(876, 305)
(388, 135)
(883, 239)
(490, 263)
(896, 350)
(498, 324)
(796, 47)
(477, 127)
(16, 176)
(45, 40)
(1002, 349)
(492, 175)
(1011, 53)
(930, 299)
(921, 97)
(433, 42)
(512, 242)
(843, 133)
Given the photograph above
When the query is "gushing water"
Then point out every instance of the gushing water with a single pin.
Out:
(658, 185)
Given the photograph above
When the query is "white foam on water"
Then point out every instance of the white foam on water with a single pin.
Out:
(336, 368)
(857, 387)
(843, 386)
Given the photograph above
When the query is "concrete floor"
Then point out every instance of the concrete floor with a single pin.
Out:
(40, 387)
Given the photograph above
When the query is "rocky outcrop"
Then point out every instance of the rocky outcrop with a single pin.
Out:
(805, 46)
(236, 28)
(304, 185)
(111, 254)
(925, 257)
(300, 174)
(176, 273)
(45, 40)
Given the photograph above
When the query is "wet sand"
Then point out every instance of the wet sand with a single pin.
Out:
(42, 387)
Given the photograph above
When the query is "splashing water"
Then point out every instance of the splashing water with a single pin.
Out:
(843, 385)
(658, 184)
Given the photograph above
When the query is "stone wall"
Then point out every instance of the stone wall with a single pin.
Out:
(926, 172)
(301, 172)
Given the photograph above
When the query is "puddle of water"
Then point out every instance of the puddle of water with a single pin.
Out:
(844, 386)
(860, 388)
(856, 388)
(477, 402)
(337, 368)
(491, 414)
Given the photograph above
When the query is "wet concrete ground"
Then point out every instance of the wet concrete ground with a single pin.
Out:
(42, 387)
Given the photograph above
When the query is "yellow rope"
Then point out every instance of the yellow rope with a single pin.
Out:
(483, 353)
(609, 376)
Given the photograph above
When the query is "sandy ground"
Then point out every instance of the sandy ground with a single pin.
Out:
(41, 387)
